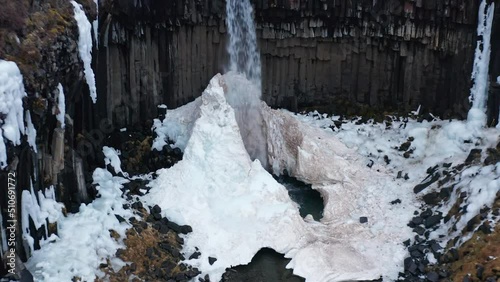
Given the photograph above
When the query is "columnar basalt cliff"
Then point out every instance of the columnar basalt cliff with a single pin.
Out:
(337, 56)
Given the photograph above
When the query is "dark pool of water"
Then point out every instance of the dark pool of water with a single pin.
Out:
(309, 200)
(266, 266)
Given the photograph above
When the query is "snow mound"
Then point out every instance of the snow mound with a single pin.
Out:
(225, 196)
(11, 107)
(236, 207)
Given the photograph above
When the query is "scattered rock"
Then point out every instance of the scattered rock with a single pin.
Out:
(363, 219)
(120, 218)
(474, 156)
(397, 201)
(211, 260)
(432, 220)
(433, 276)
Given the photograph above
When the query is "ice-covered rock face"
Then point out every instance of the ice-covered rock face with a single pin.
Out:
(11, 107)
(236, 207)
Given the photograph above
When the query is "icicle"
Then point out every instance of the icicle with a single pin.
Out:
(85, 47)
(61, 105)
(479, 91)
(30, 132)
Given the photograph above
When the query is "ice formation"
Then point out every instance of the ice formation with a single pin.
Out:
(11, 107)
(31, 132)
(61, 106)
(85, 47)
(479, 91)
(228, 199)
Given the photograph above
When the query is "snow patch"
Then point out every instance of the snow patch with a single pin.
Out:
(84, 241)
(111, 157)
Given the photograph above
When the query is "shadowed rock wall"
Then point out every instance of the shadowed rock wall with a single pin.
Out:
(334, 55)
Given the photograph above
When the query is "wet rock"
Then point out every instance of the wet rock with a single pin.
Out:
(417, 220)
(419, 230)
(163, 229)
(435, 247)
(433, 276)
(211, 260)
(432, 220)
(195, 255)
(397, 201)
(174, 226)
(431, 198)
(120, 218)
(420, 187)
(137, 205)
(157, 216)
(425, 214)
(479, 271)
(156, 209)
(474, 156)
(185, 229)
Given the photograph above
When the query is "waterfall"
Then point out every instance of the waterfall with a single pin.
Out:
(243, 52)
(479, 91)
(244, 78)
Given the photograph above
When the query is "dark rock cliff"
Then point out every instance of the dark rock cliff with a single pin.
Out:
(42, 39)
(353, 57)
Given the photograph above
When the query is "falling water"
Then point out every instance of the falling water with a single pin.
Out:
(244, 78)
(479, 91)
(243, 51)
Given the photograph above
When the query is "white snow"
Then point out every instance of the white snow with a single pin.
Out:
(31, 132)
(85, 47)
(61, 106)
(228, 199)
(41, 211)
(11, 107)
(479, 91)
(177, 126)
(436, 142)
(111, 157)
(84, 241)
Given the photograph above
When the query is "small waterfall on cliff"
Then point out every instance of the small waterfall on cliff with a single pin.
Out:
(244, 78)
(479, 91)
